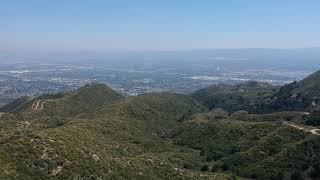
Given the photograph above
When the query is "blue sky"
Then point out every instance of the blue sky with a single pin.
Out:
(158, 24)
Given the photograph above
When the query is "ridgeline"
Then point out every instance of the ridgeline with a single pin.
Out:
(252, 130)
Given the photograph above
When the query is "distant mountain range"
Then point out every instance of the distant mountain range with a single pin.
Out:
(247, 131)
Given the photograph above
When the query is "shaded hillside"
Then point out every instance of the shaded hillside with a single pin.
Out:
(16, 105)
(303, 96)
(258, 147)
(314, 118)
(5, 100)
(298, 96)
(234, 98)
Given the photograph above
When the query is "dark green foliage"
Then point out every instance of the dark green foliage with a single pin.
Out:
(297, 96)
(249, 148)
(16, 105)
(314, 119)
(286, 100)
(292, 116)
(234, 98)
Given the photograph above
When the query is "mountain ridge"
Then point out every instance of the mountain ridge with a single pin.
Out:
(214, 133)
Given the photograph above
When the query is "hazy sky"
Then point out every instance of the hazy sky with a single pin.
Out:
(158, 24)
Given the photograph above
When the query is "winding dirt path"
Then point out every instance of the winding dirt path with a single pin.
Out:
(42, 104)
(313, 131)
(39, 104)
(36, 108)
(35, 105)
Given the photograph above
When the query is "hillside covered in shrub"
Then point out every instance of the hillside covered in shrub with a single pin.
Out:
(247, 131)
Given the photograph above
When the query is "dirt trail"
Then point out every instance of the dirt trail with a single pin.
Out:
(313, 131)
(42, 104)
(35, 105)
(45, 153)
(38, 102)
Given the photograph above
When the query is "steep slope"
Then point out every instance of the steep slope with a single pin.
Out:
(5, 100)
(16, 105)
(260, 147)
(297, 96)
(314, 118)
(82, 100)
(310, 84)
(233, 98)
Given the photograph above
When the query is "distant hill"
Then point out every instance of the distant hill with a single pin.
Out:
(82, 100)
(16, 105)
(234, 98)
(53, 110)
(257, 97)
(303, 95)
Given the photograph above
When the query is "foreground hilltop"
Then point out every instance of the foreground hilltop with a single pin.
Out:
(220, 132)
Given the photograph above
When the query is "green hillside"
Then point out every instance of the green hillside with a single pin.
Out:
(158, 111)
(299, 96)
(302, 96)
(120, 141)
(82, 100)
(234, 98)
(253, 146)
(220, 132)
(16, 105)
